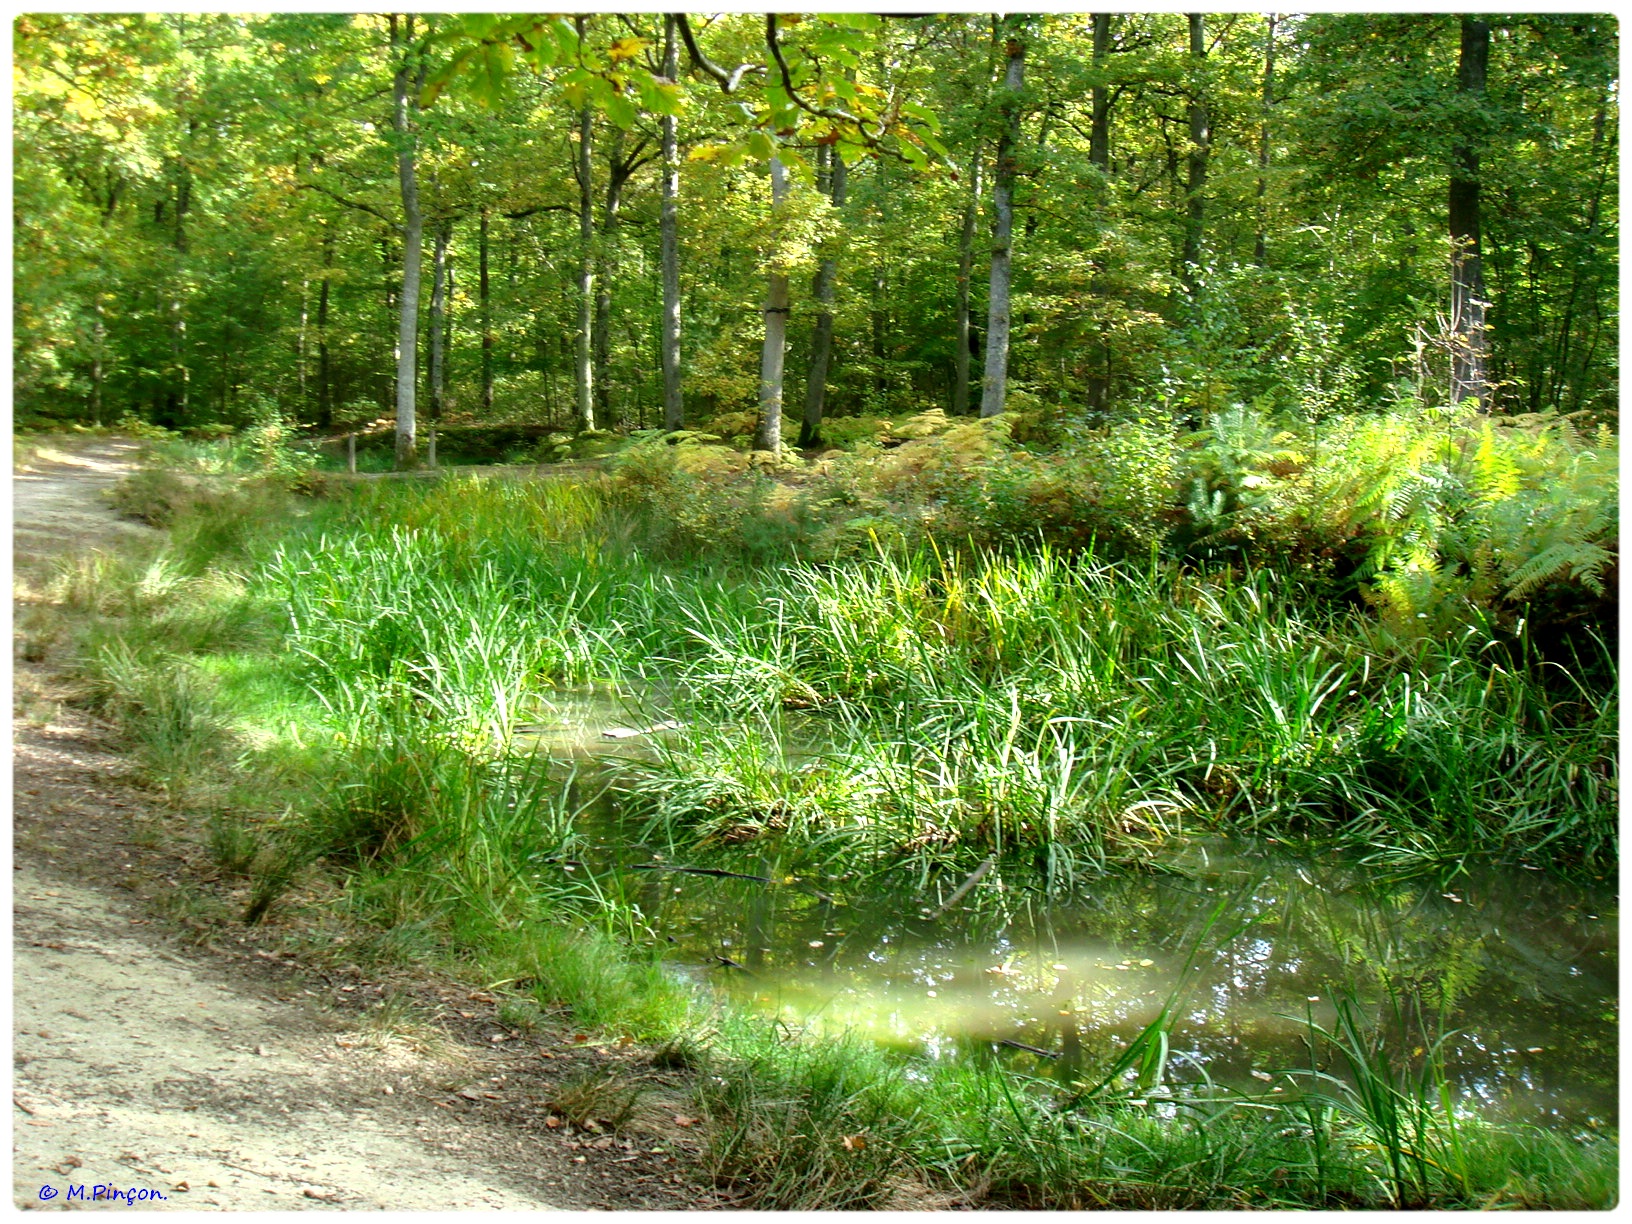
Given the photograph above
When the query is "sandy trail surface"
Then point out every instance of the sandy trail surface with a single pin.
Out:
(218, 1078)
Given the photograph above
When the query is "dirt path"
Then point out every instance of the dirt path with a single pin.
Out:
(220, 1075)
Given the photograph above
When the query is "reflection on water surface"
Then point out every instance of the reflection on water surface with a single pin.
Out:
(1521, 967)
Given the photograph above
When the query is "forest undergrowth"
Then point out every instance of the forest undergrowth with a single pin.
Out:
(949, 645)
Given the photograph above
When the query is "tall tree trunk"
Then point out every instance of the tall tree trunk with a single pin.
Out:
(768, 437)
(964, 350)
(325, 392)
(586, 268)
(99, 343)
(300, 343)
(1470, 347)
(1099, 156)
(831, 177)
(1260, 244)
(180, 393)
(439, 300)
(879, 314)
(393, 292)
(605, 270)
(1195, 181)
(1099, 131)
(673, 398)
(483, 294)
(994, 390)
(413, 231)
(444, 400)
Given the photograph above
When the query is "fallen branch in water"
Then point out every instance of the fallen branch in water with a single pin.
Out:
(706, 871)
(1030, 1050)
(974, 878)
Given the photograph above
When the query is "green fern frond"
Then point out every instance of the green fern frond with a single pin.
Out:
(1496, 475)
(1586, 563)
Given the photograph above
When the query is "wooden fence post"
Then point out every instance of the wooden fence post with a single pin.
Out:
(351, 453)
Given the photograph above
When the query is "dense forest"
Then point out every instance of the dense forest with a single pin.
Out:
(1012, 610)
(223, 216)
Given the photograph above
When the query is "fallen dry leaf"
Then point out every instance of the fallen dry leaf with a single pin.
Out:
(854, 1143)
(553, 1122)
(682, 1120)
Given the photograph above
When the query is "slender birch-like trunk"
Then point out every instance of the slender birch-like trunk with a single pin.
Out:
(485, 301)
(673, 396)
(1195, 180)
(1471, 348)
(768, 436)
(413, 231)
(586, 266)
(963, 355)
(439, 304)
(994, 391)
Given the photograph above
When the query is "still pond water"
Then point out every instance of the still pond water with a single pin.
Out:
(1519, 970)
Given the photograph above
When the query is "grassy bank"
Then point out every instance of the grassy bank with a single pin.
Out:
(370, 658)
(949, 705)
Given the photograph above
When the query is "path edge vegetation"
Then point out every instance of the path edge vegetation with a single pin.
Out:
(177, 645)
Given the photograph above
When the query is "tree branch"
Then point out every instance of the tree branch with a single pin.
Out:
(338, 198)
(787, 82)
(727, 81)
(528, 212)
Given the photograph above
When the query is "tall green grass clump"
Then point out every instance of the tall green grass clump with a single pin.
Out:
(1078, 710)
